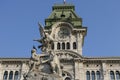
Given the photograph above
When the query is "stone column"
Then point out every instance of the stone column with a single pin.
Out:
(71, 45)
(55, 46)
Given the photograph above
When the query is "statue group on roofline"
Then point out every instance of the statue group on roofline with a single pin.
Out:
(45, 63)
(37, 61)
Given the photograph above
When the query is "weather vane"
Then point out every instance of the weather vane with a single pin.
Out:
(64, 1)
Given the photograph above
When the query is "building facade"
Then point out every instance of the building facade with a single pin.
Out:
(68, 35)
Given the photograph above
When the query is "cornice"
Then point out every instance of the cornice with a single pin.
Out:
(102, 58)
(14, 59)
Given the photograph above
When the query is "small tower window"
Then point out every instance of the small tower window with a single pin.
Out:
(68, 45)
(67, 78)
(58, 45)
(74, 45)
(52, 46)
(63, 45)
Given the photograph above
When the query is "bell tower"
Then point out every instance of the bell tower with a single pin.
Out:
(66, 29)
(62, 39)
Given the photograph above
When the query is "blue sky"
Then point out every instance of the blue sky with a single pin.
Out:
(19, 18)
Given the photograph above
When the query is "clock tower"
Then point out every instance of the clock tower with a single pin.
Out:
(66, 29)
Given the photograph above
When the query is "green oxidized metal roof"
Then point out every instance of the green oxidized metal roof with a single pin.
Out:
(63, 12)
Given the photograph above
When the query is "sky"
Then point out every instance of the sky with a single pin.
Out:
(19, 25)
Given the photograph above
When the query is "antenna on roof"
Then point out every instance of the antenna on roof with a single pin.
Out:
(64, 1)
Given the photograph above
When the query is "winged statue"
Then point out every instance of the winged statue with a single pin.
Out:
(41, 30)
(45, 39)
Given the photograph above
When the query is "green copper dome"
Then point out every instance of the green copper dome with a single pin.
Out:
(63, 13)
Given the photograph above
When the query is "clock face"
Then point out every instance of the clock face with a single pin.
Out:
(63, 32)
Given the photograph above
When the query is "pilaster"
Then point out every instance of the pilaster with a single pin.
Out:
(24, 69)
(104, 71)
(79, 42)
(13, 75)
(79, 71)
(8, 74)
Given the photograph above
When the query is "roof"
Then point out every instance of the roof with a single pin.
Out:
(63, 13)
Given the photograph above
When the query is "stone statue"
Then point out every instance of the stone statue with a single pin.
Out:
(45, 40)
(35, 60)
(55, 63)
(45, 65)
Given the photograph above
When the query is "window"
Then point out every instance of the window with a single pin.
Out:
(16, 75)
(63, 45)
(52, 46)
(58, 45)
(5, 75)
(112, 76)
(74, 45)
(98, 75)
(117, 75)
(67, 78)
(11, 75)
(93, 75)
(68, 45)
(87, 75)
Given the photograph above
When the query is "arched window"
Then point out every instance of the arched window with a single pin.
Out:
(11, 75)
(117, 75)
(87, 75)
(16, 75)
(112, 76)
(93, 75)
(67, 78)
(98, 75)
(63, 45)
(74, 45)
(52, 46)
(5, 75)
(58, 45)
(68, 45)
